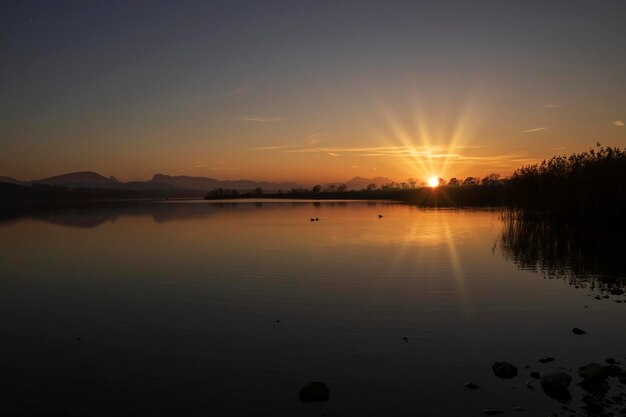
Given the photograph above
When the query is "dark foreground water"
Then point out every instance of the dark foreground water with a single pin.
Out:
(228, 309)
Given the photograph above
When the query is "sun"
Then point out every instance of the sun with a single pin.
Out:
(433, 182)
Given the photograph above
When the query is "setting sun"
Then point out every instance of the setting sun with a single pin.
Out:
(433, 182)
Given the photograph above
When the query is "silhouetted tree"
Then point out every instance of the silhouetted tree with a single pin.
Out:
(316, 189)
(454, 182)
(470, 181)
(589, 185)
(341, 188)
(491, 179)
(371, 187)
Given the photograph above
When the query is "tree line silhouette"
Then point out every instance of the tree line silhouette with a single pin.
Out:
(590, 185)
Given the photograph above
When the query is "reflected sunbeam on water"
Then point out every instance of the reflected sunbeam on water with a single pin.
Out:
(229, 308)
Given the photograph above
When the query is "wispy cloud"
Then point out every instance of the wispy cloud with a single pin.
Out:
(235, 92)
(618, 123)
(455, 155)
(207, 166)
(315, 138)
(552, 106)
(535, 129)
(261, 119)
(271, 148)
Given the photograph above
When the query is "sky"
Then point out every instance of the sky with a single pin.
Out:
(307, 91)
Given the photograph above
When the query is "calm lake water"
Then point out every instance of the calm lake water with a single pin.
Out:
(204, 308)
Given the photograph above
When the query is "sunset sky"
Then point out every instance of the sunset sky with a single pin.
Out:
(308, 91)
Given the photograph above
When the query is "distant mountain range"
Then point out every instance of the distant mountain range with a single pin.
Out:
(359, 183)
(89, 179)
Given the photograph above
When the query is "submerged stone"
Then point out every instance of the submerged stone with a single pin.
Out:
(556, 380)
(314, 391)
(504, 370)
(491, 412)
(555, 385)
(594, 373)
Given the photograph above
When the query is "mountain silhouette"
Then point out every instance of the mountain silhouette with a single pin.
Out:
(161, 182)
(10, 180)
(204, 183)
(78, 179)
(360, 183)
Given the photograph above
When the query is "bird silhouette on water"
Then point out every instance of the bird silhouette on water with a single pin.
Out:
(380, 216)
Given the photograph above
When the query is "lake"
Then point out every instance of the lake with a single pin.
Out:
(229, 308)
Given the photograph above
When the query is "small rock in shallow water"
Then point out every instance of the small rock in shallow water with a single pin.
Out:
(519, 408)
(504, 370)
(592, 405)
(535, 375)
(546, 360)
(490, 412)
(555, 386)
(471, 385)
(314, 391)
(594, 373)
(578, 331)
(617, 291)
(556, 380)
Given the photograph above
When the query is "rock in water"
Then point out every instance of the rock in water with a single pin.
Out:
(490, 412)
(594, 373)
(471, 385)
(546, 360)
(556, 380)
(578, 331)
(314, 391)
(555, 386)
(504, 370)
(592, 405)
(535, 375)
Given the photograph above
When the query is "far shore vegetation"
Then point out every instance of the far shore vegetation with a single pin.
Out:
(588, 186)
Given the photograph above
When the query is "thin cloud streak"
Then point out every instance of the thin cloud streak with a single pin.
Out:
(271, 148)
(618, 123)
(235, 92)
(424, 153)
(315, 138)
(536, 129)
(261, 119)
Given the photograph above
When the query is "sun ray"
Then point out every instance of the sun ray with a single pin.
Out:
(429, 145)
